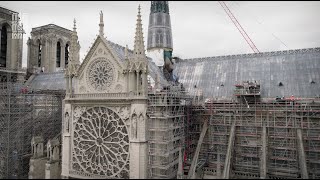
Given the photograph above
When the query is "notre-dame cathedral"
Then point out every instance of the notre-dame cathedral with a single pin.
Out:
(142, 113)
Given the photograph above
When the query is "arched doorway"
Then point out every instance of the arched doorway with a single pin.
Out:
(3, 51)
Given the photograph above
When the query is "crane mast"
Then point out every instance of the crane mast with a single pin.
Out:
(239, 27)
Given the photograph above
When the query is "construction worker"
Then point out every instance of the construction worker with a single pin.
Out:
(292, 98)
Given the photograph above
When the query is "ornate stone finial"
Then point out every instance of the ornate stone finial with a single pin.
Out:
(101, 25)
(74, 49)
(139, 49)
(139, 8)
(74, 24)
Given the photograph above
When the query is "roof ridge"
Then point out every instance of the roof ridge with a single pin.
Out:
(7, 9)
(50, 25)
(252, 55)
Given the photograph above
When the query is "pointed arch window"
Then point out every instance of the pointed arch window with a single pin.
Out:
(39, 53)
(3, 52)
(66, 60)
(58, 54)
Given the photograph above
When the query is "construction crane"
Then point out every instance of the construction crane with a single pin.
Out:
(239, 27)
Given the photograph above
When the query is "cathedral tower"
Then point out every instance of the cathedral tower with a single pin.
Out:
(160, 37)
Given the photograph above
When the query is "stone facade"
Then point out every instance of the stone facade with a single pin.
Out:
(11, 48)
(104, 121)
(10, 45)
(49, 48)
(42, 166)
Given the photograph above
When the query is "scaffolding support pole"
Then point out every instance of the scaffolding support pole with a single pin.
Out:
(263, 167)
(180, 169)
(227, 164)
(191, 174)
(302, 158)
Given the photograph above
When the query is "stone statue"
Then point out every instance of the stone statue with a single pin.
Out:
(66, 120)
(134, 126)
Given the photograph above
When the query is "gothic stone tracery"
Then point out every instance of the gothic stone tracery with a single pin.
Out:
(101, 143)
(100, 74)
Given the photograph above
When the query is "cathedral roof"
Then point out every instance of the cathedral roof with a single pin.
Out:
(6, 10)
(50, 26)
(153, 68)
(297, 70)
(47, 81)
(56, 81)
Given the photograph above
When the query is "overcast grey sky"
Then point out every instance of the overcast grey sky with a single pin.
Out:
(199, 28)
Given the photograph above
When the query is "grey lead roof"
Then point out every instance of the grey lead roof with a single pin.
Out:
(56, 81)
(48, 81)
(216, 76)
(153, 68)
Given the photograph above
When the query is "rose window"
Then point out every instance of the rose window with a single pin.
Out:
(101, 144)
(100, 75)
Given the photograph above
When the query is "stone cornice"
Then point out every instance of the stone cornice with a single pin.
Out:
(51, 26)
(51, 29)
(6, 14)
(254, 55)
(5, 10)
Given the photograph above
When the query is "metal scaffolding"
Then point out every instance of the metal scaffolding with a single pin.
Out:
(166, 131)
(273, 138)
(22, 116)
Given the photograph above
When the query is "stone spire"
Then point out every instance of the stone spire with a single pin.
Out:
(159, 6)
(159, 29)
(74, 46)
(101, 25)
(74, 25)
(139, 49)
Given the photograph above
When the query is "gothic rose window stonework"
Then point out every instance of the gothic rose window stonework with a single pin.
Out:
(101, 144)
(100, 74)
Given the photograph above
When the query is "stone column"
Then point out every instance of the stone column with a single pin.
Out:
(36, 55)
(49, 59)
(138, 148)
(66, 143)
(43, 53)
(67, 85)
(46, 58)
(29, 64)
(145, 87)
(54, 55)
(63, 46)
(137, 83)
(9, 43)
(20, 49)
(132, 84)
(70, 84)
(143, 84)
(127, 78)
(0, 38)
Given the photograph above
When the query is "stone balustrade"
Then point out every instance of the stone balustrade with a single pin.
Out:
(105, 95)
